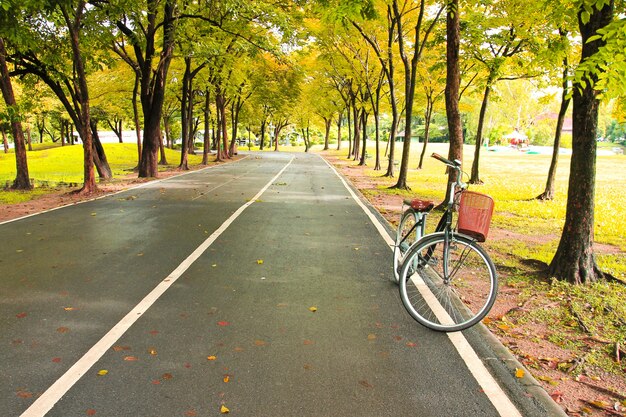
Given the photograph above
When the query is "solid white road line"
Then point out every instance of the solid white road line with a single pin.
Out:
(490, 386)
(52, 395)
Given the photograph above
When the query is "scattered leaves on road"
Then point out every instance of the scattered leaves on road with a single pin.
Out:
(24, 394)
(118, 348)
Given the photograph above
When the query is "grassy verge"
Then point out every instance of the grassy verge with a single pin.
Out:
(49, 166)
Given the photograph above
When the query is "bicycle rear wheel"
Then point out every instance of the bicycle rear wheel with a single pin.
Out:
(407, 233)
(453, 297)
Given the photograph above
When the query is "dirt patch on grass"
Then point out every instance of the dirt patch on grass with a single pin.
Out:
(580, 388)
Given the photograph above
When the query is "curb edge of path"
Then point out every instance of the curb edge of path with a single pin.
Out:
(503, 355)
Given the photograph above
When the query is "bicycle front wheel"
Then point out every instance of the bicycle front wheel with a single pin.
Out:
(407, 233)
(448, 287)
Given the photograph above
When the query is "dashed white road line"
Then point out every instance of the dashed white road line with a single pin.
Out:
(52, 395)
(489, 385)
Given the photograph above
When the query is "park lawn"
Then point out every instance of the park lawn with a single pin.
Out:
(58, 164)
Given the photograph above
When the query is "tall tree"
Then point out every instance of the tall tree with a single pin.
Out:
(453, 84)
(548, 193)
(500, 31)
(385, 54)
(574, 260)
(57, 57)
(141, 28)
(421, 30)
(22, 179)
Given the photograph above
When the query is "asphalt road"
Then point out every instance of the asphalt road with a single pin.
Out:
(261, 287)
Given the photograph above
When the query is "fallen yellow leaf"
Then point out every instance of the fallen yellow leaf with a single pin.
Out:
(226, 378)
(519, 373)
(211, 358)
(313, 309)
(103, 372)
(224, 409)
(259, 261)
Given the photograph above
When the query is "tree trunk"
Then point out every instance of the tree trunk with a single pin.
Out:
(22, 180)
(357, 132)
(168, 132)
(474, 178)
(163, 160)
(29, 139)
(574, 260)
(184, 112)
(218, 135)
(83, 118)
(327, 122)
(136, 117)
(5, 141)
(453, 81)
(224, 126)
(262, 143)
(348, 109)
(548, 193)
(427, 118)
(120, 130)
(153, 84)
(206, 148)
(364, 117)
(339, 122)
(99, 157)
(64, 134)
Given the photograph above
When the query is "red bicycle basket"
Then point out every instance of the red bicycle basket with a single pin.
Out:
(475, 211)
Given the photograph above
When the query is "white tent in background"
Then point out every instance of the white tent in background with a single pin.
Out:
(516, 138)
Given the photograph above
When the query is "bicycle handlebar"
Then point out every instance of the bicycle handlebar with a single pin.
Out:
(456, 164)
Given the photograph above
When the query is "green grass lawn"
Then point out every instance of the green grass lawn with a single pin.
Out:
(65, 164)
(50, 165)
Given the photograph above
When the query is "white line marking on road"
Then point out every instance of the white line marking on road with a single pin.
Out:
(52, 395)
(490, 386)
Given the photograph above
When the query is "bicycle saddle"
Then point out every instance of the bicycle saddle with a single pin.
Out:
(420, 205)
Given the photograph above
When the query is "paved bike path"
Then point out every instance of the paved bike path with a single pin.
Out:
(289, 312)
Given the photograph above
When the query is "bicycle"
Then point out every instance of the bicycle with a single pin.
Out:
(447, 281)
